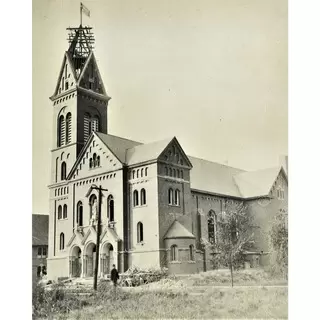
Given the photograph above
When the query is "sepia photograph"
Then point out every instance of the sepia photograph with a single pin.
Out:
(160, 159)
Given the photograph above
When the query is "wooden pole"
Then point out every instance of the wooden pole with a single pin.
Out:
(98, 242)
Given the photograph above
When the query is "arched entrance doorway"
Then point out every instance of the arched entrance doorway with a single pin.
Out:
(107, 259)
(90, 259)
(75, 262)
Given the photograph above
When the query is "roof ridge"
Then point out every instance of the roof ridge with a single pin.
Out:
(112, 135)
(221, 164)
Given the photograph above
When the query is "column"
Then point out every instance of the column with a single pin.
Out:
(84, 266)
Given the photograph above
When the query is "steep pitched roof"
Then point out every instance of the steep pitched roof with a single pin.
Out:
(146, 152)
(177, 230)
(213, 177)
(40, 229)
(257, 183)
(117, 145)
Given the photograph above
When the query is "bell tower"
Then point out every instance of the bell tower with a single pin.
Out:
(80, 102)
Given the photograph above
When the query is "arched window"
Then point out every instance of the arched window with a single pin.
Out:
(212, 226)
(55, 192)
(94, 158)
(39, 271)
(92, 203)
(65, 211)
(178, 173)
(170, 196)
(61, 241)
(68, 128)
(139, 232)
(59, 212)
(170, 172)
(146, 171)
(191, 252)
(143, 197)
(138, 173)
(63, 171)
(80, 214)
(166, 170)
(90, 163)
(181, 174)
(141, 173)
(174, 253)
(61, 131)
(234, 230)
(135, 198)
(133, 174)
(110, 208)
(58, 192)
(174, 172)
(177, 197)
(98, 161)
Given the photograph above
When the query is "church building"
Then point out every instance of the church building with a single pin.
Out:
(158, 204)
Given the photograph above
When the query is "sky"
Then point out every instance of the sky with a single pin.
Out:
(213, 73)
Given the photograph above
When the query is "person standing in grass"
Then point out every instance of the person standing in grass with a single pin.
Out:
(114, 277)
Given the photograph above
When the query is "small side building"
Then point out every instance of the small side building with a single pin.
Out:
(40, 229)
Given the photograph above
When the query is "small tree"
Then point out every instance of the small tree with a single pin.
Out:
(234, 236)
(278, 238)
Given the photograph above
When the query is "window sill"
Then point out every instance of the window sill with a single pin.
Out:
(174, 205)
(191, 262)
(140, 206)
(142, 243)
(175, 262)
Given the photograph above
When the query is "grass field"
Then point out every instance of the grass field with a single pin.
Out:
(189, 297)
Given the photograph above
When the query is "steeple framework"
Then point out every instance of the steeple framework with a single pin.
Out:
(81, 41)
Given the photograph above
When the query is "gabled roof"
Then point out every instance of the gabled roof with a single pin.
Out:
(40, 229)
(213, 177)
(257, 183)
(117, 145)
(177, 230)
(146, 152)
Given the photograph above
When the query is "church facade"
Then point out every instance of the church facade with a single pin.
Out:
(158, 205)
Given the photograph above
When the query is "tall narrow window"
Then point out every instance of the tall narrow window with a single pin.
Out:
(212, 226)
(139, 232)
(170, 172)
(61, 131)
(63, 171)
(133, 174)
(138, 171)
(62, 84)
(61, 241)
(68, 128)
(178, 173)
(59, 212)
(110, 208)
(174, 172)
(141, 173)
(191, 252)
(166, 170)
(181, 174)
(98, 161)
(94, 160)
(170, 196)
(146, 172)
(135, 198)
(80, 214)
(143, 197)
(177, 197)
(174, 253)
(65, 211)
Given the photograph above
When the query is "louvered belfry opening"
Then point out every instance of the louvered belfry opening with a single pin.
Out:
(81, 42)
